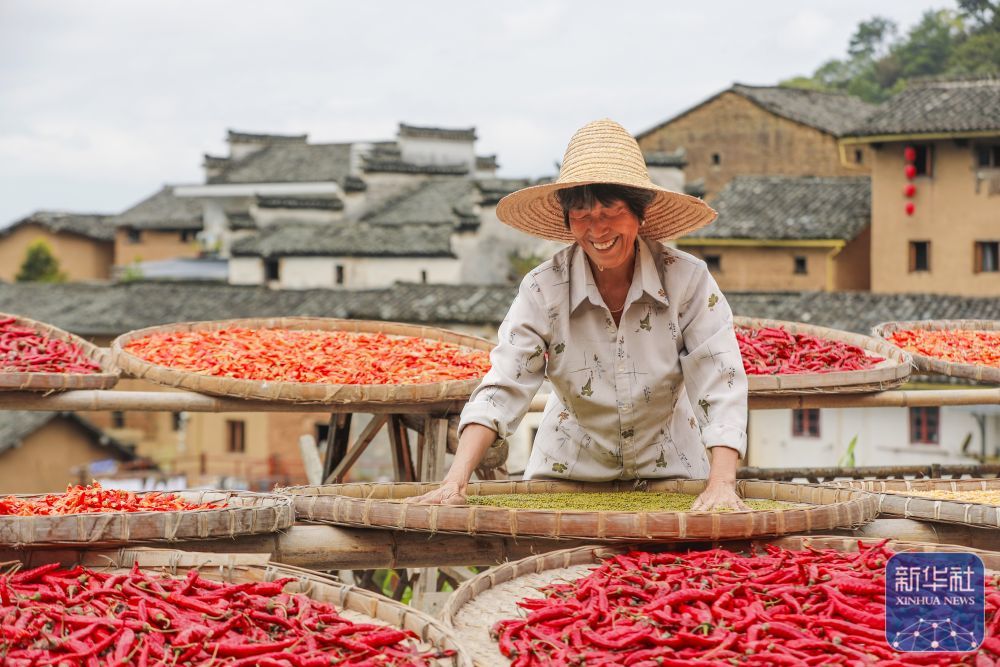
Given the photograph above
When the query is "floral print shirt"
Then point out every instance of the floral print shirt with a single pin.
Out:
(639, 400)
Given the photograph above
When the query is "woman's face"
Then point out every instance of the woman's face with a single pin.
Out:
(606, 233)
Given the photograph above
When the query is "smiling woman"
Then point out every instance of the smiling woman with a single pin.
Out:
(635, 337)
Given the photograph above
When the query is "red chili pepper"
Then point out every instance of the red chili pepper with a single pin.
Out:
(94, 498)
(25, 350)
(774, 351)
(962, 346)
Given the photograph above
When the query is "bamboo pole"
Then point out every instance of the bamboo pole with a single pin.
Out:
(324, 548)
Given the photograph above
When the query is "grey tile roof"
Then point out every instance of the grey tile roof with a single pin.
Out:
(16, 425)
(310, 203)
(926, 107)
(677, 159)
(164, 211)
(486, 162)
(832, 113)
(459, 134)
(97, 226)
(290, 162)
(438, 200)
(115, 309)
(240, 220)
(233, 135)
(787, 207)
(492, 190)
(347, 240)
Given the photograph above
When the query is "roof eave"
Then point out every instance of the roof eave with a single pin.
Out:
(916, 136)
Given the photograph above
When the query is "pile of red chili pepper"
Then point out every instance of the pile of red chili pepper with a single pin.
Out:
(717, 607)
(53, 616)
(25, 350)
(775, 351)
(95, 498)
(961, 346)
(324, 357)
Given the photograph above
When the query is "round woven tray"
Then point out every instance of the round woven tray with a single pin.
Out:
(493, 595)
(383, 506)
(887, 374)
(894, 500)
(354, 604)
(243, 514)
(976, 372)
(302, 392)
(106, 379)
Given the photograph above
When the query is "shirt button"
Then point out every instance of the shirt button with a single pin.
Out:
(621, 369)
(626, 407)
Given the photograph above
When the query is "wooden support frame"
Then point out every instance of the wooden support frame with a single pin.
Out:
(399, 446)
(352, 455)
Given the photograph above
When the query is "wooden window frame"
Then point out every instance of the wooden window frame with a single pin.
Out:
(925, 426)
(805, 265)
(805, 423)
(236, 436)
(714, 263)
(913, 257)
(928, 160)
(272, 270)
(980, 256)
(339, 274)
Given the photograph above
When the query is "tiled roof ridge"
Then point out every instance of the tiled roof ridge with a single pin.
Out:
(461, 134)
(265, 136)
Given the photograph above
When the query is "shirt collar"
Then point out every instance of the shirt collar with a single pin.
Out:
(645, 279)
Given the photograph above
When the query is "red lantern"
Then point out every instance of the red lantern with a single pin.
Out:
(909, 189)
(910, 208)
(910, 171)
(909, 153)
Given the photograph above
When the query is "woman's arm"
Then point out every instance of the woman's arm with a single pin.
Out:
(720, 493)
(472, 445)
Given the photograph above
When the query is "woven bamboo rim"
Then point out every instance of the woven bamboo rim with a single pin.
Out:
(493, 595)
(940, 366)
(356, 604)
(243, 513)
(106, 379)
(383, 506)
(302, 392)
(887, 374)
(894, 500)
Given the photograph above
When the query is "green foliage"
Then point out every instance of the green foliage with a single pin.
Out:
(40, 265)
(944, 42)
(847, 460)
(131, 273)
(521, 264)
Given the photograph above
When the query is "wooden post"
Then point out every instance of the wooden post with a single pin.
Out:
(399, 444)
(336, 442)
(432, 464)
(355, 452)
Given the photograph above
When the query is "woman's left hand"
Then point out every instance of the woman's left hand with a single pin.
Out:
(719, 495)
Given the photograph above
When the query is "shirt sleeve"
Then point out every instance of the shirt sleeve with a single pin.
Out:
(713, 367)
(518, 366)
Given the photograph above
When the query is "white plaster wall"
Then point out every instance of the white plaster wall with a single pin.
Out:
(670, 178)
(365, 272)
(246, 270)
(438, 151)
(883, 438)
(485, 255)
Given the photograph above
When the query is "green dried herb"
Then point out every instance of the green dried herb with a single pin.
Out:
(624, 501)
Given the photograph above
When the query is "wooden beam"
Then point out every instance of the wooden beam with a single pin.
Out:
(399, 445)
(432, 468)
(359, 447)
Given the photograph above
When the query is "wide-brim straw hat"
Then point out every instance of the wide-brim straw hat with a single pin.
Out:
(603, 152)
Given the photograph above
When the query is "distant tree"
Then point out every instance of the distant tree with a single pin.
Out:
(521, 264)
(40, 265)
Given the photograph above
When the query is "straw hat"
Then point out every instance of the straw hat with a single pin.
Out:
(603, 152)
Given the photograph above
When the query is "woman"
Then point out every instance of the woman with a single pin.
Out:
(635, 338)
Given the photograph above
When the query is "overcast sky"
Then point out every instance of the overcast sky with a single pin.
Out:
(103, 101)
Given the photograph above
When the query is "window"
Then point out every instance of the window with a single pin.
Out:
(235, 436)
(423, 277)
(988, 157)
(188, 235)
(714, 263)
(920, 256)
(859, 156)
(117, 419)
(272, 270)
(987, 256)
(339, 279)
(805, 423)
(924, 425)
(923, 159)
(801, 266)
(134, 235)
(716, 159)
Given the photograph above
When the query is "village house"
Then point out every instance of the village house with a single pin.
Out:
(778, 233)
(42, 452)
(761, 130)
(935, 188)
(82, 243)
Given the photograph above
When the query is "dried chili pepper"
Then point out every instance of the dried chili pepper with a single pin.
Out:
(775, 351)
(95, 498)
(25, 350)
(964, 346)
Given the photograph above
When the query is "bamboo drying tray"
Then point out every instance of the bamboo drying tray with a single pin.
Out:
(894, 500)
(887, 374)
(383, 506)
(976, 372)
(242, 514)
(355, 604)
(493, 595)
(105, 379)
(301, 392)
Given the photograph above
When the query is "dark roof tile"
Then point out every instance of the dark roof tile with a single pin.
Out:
(163, 210)
(452, 134)
(925, 107)
(97, 226)
(347, 240)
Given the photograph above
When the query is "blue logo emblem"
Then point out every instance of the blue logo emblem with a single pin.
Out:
(935, 602)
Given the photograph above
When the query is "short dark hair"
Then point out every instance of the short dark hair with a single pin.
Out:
(584, 196)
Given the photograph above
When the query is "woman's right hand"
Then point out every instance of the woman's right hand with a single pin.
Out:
(449, 493)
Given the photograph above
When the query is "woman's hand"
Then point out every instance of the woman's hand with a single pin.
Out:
(720, 493)
(449, 493)
(718, 496)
